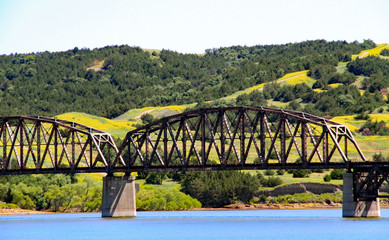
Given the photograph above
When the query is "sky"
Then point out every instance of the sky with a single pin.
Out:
(186, 26)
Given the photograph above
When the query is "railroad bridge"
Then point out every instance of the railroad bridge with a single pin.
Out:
(231, 138)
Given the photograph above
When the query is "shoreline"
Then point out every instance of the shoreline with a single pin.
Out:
(236, 206)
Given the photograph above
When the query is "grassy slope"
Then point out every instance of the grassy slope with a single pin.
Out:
(371, 52)
(117, 129)
(158, 112)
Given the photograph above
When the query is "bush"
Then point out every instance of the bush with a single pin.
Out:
(301, 173)
(147, 118)
(327, 178)
(337, 174)
(271, 181)
(317, 170)
(362, 116)
(262, 198)
(385, 52)
(269, 172)
(150, 198)
(280, 172)
(259, 176)
(220, 188)
(378, 157)
(155, 178)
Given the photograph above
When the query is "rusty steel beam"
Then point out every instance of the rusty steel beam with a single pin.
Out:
(37, 145)
(247, 134)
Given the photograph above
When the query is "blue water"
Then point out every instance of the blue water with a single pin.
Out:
(251, 224)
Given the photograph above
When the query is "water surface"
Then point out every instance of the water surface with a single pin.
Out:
(249, 224)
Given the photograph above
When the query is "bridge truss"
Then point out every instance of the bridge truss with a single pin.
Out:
(206, 139)
(232, 138)
(239, 138)
(31, 145)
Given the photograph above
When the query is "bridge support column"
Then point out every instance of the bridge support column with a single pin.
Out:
(359, 208)
(119, 196)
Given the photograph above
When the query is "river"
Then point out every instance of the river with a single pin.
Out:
(242, 224)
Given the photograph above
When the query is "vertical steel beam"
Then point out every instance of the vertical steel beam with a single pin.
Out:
(165, 142)
(3, 129)
(263, 137)
(147, 160)
(222, 139)
(38, 143)
(203, 138)
(325, 146)
(283, 140)
(242, 138)
(184, 139)
(345, 147)
(21, 144)
(55, 127)
(304, 142)
(74, 150)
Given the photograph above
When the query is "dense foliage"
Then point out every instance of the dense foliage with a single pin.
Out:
(151, 198)
(111, 80)
(220, 188)
(57, 192)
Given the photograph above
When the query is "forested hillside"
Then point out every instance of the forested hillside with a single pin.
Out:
(112, 80)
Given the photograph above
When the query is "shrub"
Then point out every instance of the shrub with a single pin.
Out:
(337, 174)
(280, 172)
(259, 176)
(327, 178)
(301, 173)
(155, 178)
(219, 188)
(262, 198)
(152, 198)
(317, 170)
(147, 118)
(378, 157)
(271, 181)
(269, 172)
(385, 52)
(362, 116)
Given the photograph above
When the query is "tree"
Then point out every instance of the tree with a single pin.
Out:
(219, 188)
(337, 174)
(385, 52)
(155, 178)
(147, 118)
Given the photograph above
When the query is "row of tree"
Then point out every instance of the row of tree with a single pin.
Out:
(53, 83)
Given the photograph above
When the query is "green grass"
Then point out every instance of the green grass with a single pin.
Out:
(336, 197)
(158, 112)
(341, 67)
(166, 184)
(313, 178)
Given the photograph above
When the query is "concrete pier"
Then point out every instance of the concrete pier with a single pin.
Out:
(119, 197)
(359, 208)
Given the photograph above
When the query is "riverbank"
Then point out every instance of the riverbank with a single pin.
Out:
(235, 206)
(18, 211)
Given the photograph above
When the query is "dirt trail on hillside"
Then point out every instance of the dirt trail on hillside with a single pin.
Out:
(143, 113)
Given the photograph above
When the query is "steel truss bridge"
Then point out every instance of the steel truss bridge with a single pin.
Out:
(232, 138)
